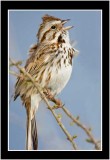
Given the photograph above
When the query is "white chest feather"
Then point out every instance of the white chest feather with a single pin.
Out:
(61, 71)
(60, 79)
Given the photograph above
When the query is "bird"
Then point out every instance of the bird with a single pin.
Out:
(50, 63)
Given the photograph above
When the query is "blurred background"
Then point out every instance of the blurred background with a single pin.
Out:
(82, 95)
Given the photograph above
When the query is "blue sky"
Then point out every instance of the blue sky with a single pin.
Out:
(82, 95)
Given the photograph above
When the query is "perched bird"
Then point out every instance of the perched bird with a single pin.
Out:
(50, 63)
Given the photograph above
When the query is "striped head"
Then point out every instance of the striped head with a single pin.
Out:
(51, 29)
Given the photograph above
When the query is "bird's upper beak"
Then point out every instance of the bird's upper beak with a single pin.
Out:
(65, 21)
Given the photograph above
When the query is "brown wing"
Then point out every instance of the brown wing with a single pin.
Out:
(40, 55)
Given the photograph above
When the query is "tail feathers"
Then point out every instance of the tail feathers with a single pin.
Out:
(34, 133)
(15, 97)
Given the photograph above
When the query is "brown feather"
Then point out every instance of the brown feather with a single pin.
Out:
(39, 58)
(47, 17)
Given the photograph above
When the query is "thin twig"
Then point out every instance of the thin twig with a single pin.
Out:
(77, 122)
(14, 73)
(69, 137)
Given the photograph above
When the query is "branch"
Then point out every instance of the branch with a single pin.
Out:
(14, 73)
(76, 121)
(69, 137)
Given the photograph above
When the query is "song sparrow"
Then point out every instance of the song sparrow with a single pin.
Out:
(50, 63)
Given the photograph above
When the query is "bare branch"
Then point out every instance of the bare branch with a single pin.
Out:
(14, 73)
(76, 121)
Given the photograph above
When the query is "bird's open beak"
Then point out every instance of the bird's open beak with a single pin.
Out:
(65, 21)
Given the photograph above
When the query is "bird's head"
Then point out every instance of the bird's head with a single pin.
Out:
(52, 29)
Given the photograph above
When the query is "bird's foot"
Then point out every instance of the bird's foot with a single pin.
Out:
(51, 97)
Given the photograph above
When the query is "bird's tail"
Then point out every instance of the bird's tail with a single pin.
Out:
(34, 133)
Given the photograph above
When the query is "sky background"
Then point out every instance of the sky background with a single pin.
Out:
(82, 95)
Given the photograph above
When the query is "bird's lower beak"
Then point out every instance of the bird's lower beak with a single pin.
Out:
(67, 28)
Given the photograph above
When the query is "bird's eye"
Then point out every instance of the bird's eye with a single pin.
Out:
(53, 27)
